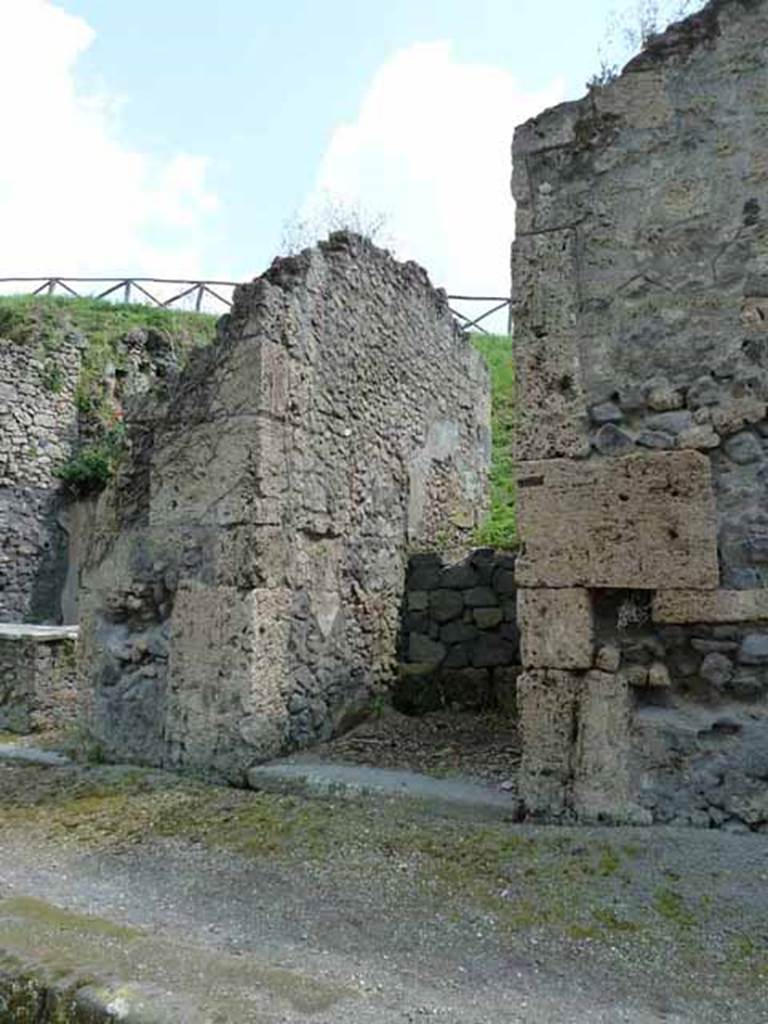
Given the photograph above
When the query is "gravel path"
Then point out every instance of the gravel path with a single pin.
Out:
(234, 906)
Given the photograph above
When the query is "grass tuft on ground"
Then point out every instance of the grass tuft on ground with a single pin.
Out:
(500, 528)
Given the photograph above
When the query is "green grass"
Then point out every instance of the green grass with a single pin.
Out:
(46, 322)
(500, 528)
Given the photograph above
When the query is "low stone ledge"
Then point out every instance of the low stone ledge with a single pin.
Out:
(38, 677)
(30, 631)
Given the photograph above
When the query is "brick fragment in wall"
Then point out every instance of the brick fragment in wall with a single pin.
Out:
(639, 522)
(556, 628)
(547, 701)
(691, 606)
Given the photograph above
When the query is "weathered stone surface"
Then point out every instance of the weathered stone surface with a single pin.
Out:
(556, 629)
(491, 651)
(640, 270)
(430, 648)
(602, 787)
(717, 669)
(606, 412)
(743, 448)
(552, 416)
(547, 703)
(608, 658)
(423, 649)
(715, 606)
(639, 522)
(260, 528)
(701, 438)
(445, 605)
(754, 649)
(487, 618)
(611, 440)
(479, 597)
(658, 675)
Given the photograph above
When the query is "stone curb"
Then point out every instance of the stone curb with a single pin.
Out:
(34, 755)
(347, 781)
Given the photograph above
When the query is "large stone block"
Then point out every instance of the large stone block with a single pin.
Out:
(638, 522)
(556, 628)
(551, 415)
(602, 785)
(547, 702)
(684, 606)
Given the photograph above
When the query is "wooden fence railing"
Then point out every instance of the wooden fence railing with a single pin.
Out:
(199, 293)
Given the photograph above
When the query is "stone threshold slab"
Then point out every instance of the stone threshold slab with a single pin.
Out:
(31, 631)
(33, 755)
(314, 777)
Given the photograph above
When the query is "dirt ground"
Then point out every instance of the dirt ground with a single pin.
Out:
(216, 905)
(484, 747)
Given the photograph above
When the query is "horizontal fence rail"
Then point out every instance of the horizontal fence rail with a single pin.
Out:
(197, 295)
(127, 289)
(469, 323)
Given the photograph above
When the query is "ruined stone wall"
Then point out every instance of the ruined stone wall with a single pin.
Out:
(44, 422)
(38, 428)
(245, 580)
(459, 645)
(38, 678)
(640, 271)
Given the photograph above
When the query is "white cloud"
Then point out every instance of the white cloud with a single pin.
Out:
(430, 149)
(74, 198)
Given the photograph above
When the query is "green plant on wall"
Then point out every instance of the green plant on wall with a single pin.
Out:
(500, 529)
(92, 467)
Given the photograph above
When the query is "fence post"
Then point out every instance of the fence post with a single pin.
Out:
(199, 298)
(127, 294)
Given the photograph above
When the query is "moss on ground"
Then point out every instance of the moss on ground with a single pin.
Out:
(565, 883)
(59, 955)
(500, 527)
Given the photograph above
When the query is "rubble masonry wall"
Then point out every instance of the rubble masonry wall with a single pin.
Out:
(242, 592)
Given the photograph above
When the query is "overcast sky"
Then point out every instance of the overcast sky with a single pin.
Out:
(183, 138)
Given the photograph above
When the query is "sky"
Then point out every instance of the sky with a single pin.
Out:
(181, 138)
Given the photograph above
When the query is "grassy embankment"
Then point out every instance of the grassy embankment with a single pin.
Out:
(48, 323)
(500, 529)
(45, 322)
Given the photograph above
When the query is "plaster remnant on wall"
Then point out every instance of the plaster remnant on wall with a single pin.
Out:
(638, 522)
